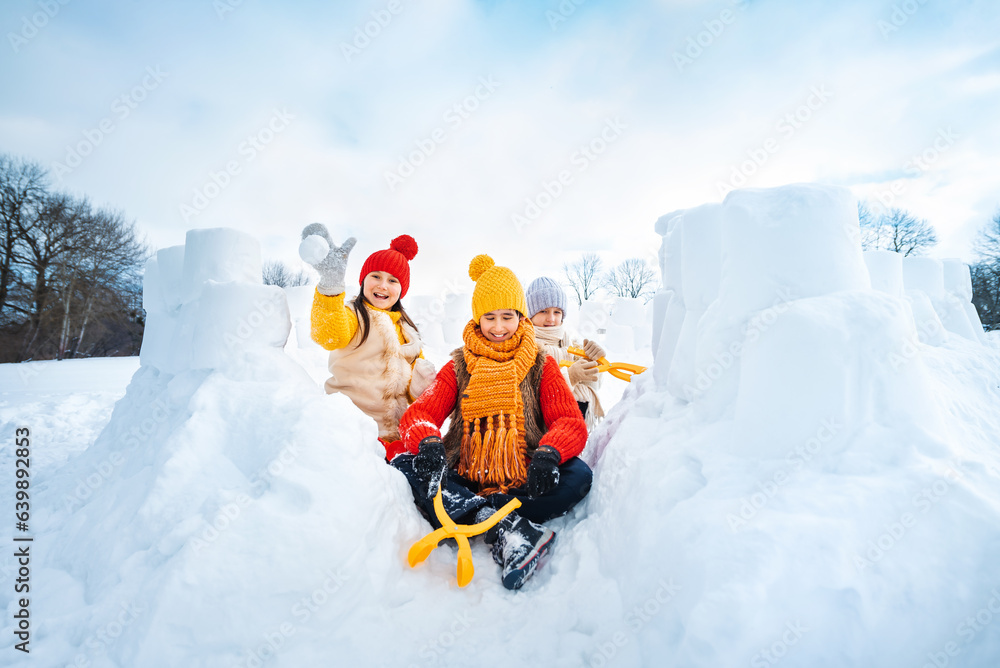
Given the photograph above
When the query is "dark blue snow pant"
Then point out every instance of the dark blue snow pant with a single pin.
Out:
(461, 501)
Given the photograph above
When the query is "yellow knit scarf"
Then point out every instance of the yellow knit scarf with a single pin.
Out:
(493, 446)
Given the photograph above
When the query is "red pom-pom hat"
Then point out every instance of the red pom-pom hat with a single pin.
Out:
(395, 260)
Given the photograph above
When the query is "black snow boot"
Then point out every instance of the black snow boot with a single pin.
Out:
(520, 547)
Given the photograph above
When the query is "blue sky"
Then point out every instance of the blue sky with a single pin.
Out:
(256, 116)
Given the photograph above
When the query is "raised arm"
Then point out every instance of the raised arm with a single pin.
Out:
(333, 323)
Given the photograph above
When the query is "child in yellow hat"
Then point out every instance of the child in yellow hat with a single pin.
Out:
(515, 430)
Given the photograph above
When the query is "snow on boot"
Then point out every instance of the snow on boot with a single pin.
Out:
(520, 548)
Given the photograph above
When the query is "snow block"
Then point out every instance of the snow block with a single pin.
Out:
(671, 252)
(926, 319)
(170, 266)
(458, 306)
(152, 295)
(797, 238)
(593, 320)
(162, 345)
(642, 336)
(157, 338)
(925, 274)
(236, 318)
(670, 331)
(673, 279)
(300, 300)
(886, 271)
(659, 313)
(664, 226)
(778, 245)
(977, 325)
(826, 362)
(957, 279)
(218, 254)
(701, 255)
(628, 312)
(948, 287)
(619, 340)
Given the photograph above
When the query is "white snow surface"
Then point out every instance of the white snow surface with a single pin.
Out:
(843, 509)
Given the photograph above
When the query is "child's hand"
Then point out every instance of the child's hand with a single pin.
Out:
(583, 371)
(333, 268)
(593, 350)
(543, 471)
(430, 463)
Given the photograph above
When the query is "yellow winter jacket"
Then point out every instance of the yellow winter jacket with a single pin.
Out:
(334, 323)
(381, 376)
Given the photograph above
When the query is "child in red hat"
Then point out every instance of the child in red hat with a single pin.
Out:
(375, 349)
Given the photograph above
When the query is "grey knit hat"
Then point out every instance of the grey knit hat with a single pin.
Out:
(545, 293)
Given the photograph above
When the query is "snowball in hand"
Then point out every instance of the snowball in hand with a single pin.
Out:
(313, 249)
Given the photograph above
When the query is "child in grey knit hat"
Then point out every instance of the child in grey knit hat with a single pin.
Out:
(547, 309)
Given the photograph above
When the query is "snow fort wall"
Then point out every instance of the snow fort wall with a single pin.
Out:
(208, 307)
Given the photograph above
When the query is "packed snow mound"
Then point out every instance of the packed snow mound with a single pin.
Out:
(227, 498)
(819, 489)
(827, 466)
(233, 514)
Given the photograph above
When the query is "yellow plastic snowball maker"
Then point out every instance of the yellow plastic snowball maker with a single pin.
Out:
(622, 370)
(460, 532)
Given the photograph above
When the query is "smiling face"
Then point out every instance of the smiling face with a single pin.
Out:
(499, 325)
(381, 289)
(550, 317)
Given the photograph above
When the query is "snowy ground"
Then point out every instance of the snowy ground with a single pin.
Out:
(253, 536)
(808, 476)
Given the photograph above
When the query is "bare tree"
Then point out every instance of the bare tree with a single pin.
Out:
(22, 188)
(585, 276)
(897, 230)
(101, 272)
(72, 275)
(986, 274)
(278, 273)
(632, 278)
(870, 231)
(47, 239)
(986, 293)
(987, 244)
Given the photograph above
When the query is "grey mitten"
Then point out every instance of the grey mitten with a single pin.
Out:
(332, 268)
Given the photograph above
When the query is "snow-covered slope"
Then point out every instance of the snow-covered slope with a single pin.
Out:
(826, 495)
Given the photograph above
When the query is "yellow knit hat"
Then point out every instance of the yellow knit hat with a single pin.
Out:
(496, 288)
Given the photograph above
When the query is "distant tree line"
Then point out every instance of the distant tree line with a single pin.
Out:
(70, 272)
(276, 272)
(632, 278)
(986, 274)
(896, 230)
